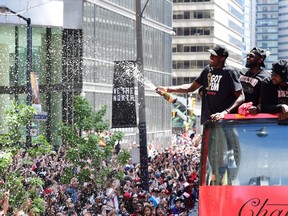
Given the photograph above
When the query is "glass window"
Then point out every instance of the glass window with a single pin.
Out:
(193, 64)
(186, 49)
(245, 151)
(46, 67)
(193, 48)
(186, 15)
(186, 31)
(186, 64)
(235, 12)
(180, 64)
(180, 48)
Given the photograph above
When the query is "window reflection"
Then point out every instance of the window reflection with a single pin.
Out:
(247, 154)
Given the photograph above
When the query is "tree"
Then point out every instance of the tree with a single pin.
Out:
(90, 146)
(81, 151)
(14, 157)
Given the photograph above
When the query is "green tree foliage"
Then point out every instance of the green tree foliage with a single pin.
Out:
(86, 153)
(40, 146)
(89, 144)
(17, 119)
(12, 163)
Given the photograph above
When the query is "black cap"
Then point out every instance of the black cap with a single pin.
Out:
(178, 199)
(281, 67)
(219, 50)
(157, 190)
(262, 53)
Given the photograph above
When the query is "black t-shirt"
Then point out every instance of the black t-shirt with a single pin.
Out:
(219, 86)
(272, 96)
(251, 84)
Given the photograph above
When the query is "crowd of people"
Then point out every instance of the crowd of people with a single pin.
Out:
(173, 185)
(174, 173)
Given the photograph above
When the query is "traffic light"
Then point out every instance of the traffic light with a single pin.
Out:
(192, 103)
(174, 114)
(191, 110)
(187, 126)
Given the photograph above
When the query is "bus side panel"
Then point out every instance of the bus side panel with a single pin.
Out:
(243, 200)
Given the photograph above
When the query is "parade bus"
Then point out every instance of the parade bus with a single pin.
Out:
(244, 167)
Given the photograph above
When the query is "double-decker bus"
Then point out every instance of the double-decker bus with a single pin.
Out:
(244, 167)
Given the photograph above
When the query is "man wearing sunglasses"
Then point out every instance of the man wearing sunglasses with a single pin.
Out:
(252, 77)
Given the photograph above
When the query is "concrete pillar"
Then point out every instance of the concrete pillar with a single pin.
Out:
(4, 81)
(56, 77)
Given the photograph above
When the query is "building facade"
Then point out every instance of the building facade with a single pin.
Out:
(272, 29)
(249, 7)
(268, 27)
(283, 30)
(74, 46)
(200, 24)
(109, 35)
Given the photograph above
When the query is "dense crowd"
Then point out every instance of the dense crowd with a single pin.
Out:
(173, 185)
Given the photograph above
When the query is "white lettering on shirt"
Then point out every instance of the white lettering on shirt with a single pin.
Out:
(215, 81)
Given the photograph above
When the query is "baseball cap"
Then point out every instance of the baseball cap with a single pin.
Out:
(178, 199)
(126, 195)
(262, 53)
(219, 50)
(281, 67)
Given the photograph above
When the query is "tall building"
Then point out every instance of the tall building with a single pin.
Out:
(74, 46)
(283, 30)
(271, 29)
(249, 8)
(200, 24)
(109, 35)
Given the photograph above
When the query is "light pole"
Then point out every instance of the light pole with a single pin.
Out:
(141, 99)
(4, 9)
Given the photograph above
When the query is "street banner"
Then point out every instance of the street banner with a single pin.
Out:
(123, 97)
(35, 88)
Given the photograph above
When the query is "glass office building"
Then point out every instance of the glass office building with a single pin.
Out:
(272, 29)
(267, 28)
(74, 46)
(109, 29)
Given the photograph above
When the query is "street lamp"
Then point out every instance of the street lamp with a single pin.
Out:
(141, 99)
(4, 9)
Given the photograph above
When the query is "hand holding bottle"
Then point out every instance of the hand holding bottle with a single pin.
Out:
(163, 91)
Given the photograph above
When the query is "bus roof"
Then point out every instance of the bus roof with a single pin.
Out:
(257, 116)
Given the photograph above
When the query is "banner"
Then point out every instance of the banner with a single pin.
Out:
(123, 97)
(35, 88)
(36, 103)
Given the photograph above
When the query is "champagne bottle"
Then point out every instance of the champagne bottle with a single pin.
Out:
(213, 180)
(225, 178)
(170, 98)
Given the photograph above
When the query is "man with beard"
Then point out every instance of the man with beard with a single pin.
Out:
(274, 91)
(222, 90)
(252, 78)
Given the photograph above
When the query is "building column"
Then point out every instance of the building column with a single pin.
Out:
(4, 81)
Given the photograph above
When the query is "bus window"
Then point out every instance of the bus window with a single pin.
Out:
(245, 153)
